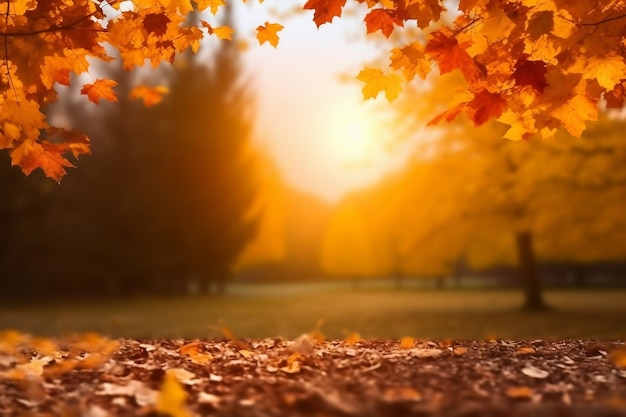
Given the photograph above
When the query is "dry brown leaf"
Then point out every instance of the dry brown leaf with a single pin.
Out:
(426, 353)
(534, 372)
(459, 351)
(525, 350)
(246, 353)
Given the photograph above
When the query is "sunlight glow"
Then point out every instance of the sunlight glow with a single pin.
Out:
(352, 143)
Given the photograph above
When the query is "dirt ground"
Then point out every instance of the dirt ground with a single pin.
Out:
(91, 376)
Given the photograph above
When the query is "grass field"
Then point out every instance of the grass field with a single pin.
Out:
(374, 313)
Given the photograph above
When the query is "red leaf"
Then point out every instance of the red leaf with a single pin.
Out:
(532, 73)
(615, 98)
(449, 56)
(485, 106)
(156, 23)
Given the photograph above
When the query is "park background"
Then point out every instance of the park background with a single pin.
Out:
(264, 195)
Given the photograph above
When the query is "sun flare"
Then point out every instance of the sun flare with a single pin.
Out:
(352, 141)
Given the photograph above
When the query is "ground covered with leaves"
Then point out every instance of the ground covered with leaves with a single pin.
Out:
(92, 376)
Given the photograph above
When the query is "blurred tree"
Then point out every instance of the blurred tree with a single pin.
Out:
(169, 196)
(209, 178)
(536, 193)
(470, 199)
(347, 248)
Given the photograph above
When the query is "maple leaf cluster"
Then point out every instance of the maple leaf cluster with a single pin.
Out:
(532, 65)
(46, 41)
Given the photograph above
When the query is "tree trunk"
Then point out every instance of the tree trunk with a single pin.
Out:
(533, 299)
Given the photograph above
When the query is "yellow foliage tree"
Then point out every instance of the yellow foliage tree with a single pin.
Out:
(347, 246)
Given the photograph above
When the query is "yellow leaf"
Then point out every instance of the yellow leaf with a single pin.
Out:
(172, 397)
(375, 82)
(575, 113)
(223, 32)
(213, 4)
(269, 33)
(607, 70)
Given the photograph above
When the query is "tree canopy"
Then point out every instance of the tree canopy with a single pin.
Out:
(535, 66)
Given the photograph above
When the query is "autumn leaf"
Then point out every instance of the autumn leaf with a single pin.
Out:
(376, 81)
(575, 113)
(269, 33)
(449, 55)
(325, 10)
(383, 20)
(519, 393)
(608, 70)
(172, 397)
(30, 155)
(100, 89)
(223, 32)
(156, 23)
(407, 342)
(532, 73)
(195, 354)
(149, 95)
(411, 60)
(214, 5)
(485, 106)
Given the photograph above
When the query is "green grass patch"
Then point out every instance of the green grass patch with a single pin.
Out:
(374, 313)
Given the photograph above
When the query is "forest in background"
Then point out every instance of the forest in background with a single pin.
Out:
(213, 208)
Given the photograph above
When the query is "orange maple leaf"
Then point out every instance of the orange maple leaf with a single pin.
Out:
(269, 33)
(30, 155)
(222, 32)
(449, 55)
(213, 4)
(100, 89)
(383, 20)
(485, 106)
(149, 95)
(325, 10)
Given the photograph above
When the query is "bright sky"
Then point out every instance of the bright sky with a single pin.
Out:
(320, 131)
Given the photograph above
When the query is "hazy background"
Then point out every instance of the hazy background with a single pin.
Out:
(264, 193)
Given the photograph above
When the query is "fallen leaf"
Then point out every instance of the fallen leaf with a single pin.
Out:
(172, 397)
(426, 353)
(459, 351)
(525, 350)
(519, 393)
(534, 372)
(407, 342)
